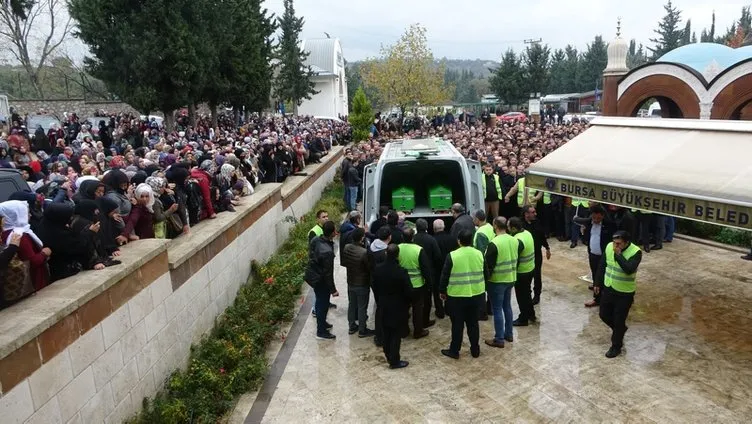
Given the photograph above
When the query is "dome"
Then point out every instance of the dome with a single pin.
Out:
(709, 59)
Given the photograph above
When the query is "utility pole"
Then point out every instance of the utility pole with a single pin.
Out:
(533, 41)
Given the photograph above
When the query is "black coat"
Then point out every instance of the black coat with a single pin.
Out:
(447, 244)
(71, 251)
(392, 284)
(320, 268)
(433, 253)
(607, 231)
(463, 222)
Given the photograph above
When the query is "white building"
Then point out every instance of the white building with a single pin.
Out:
(328, 64)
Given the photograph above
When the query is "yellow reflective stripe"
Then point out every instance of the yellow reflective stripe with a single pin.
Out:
(527, 258)
(464, 282)
(467, 274)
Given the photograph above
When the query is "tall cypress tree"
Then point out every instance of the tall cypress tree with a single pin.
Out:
(293, 82)
(669, 32)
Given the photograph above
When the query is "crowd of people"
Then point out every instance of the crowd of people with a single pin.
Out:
(93, 190)
(407, 266)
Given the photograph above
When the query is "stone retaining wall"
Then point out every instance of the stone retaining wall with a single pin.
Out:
(88, 349)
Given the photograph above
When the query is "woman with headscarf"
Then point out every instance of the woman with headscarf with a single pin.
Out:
(117, 190)
(72, 251)
(35, 206)
(31, 250)
(163, 218)
(177, 175)
(224, 181)
(110, 221)
(89, 190)
(86, 214)
(204, 176)
(140, 224)
(40, 140)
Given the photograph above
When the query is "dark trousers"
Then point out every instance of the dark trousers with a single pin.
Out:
(644, 220)
(417, 303)
(463, 311)
(537, 273)
(558, 222)
(392, 339)
(545, 217)
(322, 307)
(438, 304)
(595, 262)
(522, 291)
(378, 328)
(357, 306)
(492, 210)
(614, 310)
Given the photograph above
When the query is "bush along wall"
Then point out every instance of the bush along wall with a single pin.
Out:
(231, 360)
(717, 233)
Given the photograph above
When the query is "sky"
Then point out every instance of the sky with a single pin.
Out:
(484, 29)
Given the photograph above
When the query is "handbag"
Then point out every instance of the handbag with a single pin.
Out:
(15, 280)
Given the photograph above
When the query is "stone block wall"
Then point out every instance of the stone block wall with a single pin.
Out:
(88, 349)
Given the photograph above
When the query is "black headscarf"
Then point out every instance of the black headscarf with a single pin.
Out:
(114, 179)
(87, 209)
(87, 191)
(108, 230)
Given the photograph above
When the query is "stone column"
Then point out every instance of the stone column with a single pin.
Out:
(706, 110)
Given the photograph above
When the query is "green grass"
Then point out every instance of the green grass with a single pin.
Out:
(231, 360)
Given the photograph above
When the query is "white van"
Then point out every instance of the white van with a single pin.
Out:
(423, 167)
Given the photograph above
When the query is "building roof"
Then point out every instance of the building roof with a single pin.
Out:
(322, 54)
(709, 59)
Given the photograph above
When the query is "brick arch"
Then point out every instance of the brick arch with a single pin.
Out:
(733, 97)
(668, 89)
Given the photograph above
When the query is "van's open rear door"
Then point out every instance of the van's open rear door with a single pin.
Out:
(370, 195)
(475, 194)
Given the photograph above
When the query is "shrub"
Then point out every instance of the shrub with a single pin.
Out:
(361, 117)
(231, 360)
(714, 232)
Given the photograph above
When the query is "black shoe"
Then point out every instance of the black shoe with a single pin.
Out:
(367, 333)
(613, 352)
(536, 299)
(378, 342)
(398, 365)
(422, 334)
(747, 257)
(483, 317)
(656, 247)
(509, 339)
(572, 245)
(590, 287)
(667, 241)
(519, 323)
(430, 323)
(475, 352)
(332, 306)
(111, 262)
(449, 353)
(326, 336)
(646, 249)
(329, 326)
(353, 329)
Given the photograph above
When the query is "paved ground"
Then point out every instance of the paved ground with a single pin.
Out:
(688, 357)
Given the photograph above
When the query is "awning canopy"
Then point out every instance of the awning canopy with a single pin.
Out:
(694, 169)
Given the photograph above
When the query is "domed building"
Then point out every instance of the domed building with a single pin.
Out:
(701, 80)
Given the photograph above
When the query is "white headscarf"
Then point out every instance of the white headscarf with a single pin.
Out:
(144, 188)
(15, 215)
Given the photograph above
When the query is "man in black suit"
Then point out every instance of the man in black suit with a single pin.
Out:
(535, 228)
(597, 235)
(431, 247)
(447, 244)
(392, 283)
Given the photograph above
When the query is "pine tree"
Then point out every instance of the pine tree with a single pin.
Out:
(293, 83)
(361, 116)
(669, 33)
(687, 33)
(536, 60)
(506, 80)
(557, 82)
(694, 38)
(592, 64)
(571, 69)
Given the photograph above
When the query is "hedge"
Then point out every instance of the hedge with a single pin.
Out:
(231, 360)
(714, 232)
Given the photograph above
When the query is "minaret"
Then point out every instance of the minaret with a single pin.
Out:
(615, 70)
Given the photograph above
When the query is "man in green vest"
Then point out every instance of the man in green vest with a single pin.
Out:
(616, 283)
(484, 233)
(525, 272)
(579, 208)
(501, 260)
(492, 191)
(322, 217)
(519, 189)
(415, 260)
(462, 284)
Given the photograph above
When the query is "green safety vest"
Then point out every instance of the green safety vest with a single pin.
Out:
(521, 194)
(488, 231)
(505, 270)
(317, 230)
(576, 201)
(615, 277)
(546, 198)
(466, 278)
(496, 183)
(527, 257)
(409, 255)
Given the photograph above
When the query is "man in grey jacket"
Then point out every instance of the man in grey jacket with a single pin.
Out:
(355, 258)
(462, 221)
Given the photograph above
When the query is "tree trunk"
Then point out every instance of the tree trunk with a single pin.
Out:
(192, 114)
(169, 119)
(402, 120)
(214, 120)
(34, 79)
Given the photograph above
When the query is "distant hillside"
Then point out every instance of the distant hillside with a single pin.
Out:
(478, 67)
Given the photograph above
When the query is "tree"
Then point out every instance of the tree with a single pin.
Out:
(32, 31)
(536, 61)
(293, 82)
(687, 33)
(571, 69)
(592, 64)
(694, 38)
(669, 33)
(361, 116)
(636, 55)
(405, 74)
(557, 74)
(506, 80)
